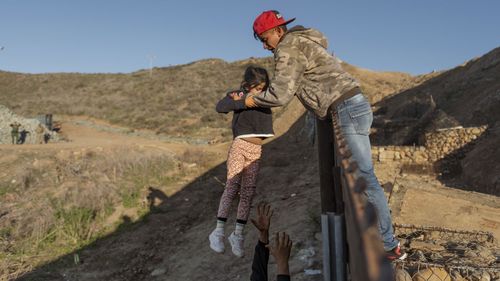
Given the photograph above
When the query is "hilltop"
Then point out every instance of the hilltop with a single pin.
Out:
(176, 101)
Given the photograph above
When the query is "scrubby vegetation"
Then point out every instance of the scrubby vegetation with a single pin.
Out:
(66, 201)
(178, 100)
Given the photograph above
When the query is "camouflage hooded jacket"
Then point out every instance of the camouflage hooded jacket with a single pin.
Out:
(303, 67)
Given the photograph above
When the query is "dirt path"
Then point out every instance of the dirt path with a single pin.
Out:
(84, 132)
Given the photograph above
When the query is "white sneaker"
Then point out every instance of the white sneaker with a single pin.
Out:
(237, 244)
(216, 239)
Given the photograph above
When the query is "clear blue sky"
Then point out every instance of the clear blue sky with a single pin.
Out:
(414, 36)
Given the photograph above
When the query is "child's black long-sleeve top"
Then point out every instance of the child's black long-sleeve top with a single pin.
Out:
(247, 122)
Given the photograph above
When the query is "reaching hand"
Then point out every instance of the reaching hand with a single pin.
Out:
(281, 251)
(264, 214)
(263, 221)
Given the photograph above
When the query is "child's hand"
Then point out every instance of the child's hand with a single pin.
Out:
(236, 95)
(281, 251)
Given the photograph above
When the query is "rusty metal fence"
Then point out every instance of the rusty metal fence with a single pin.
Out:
(352, 245)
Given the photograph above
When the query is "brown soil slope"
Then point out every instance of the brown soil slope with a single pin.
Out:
(468, 95)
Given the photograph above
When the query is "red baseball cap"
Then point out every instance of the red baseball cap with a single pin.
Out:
(268, 20)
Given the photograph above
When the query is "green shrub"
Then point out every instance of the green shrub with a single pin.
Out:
(76, 223)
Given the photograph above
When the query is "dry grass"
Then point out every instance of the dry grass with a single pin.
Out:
(55, 206)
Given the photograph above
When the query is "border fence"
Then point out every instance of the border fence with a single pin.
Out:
(352, 248)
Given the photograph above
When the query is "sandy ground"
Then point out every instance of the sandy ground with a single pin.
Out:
(424, 200)
(434, 204)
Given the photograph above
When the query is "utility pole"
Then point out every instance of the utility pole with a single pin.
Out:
(151, 58)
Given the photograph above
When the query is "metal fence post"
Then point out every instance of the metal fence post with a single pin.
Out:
(332, 228)
(332, 218)
(325, 156)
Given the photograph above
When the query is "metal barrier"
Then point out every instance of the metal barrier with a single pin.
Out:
(352, 247)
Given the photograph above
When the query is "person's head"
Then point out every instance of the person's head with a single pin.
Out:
(269, 27)
(255, 79)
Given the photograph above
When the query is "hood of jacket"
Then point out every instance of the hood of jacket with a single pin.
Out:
(310, 34)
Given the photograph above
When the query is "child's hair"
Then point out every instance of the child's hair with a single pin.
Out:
(254, 76)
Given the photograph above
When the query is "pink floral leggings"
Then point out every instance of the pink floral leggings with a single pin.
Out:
(242, 168)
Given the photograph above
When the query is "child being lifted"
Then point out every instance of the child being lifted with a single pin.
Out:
(250, 127)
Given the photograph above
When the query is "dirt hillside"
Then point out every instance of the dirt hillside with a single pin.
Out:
(170, 242)
(177, 101)
(120, 201)
(468, 96)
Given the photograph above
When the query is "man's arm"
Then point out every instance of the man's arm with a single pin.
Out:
(290, 65)
(260, 261)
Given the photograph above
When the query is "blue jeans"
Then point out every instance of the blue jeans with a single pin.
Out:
(355, 119)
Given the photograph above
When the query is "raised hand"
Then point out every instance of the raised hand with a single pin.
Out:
(281, 252)
(263, 221)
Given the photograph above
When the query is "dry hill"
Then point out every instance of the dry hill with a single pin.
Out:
(110, 206)
(177, 100)
(467, 96)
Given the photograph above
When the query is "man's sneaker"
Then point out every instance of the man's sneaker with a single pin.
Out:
(237, 241)
(396, 254)
(216, 239)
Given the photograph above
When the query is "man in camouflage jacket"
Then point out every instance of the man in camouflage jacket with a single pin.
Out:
(304, 68)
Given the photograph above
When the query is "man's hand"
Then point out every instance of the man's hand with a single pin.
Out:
(281, 252)
(263, 221)
(249, 101)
